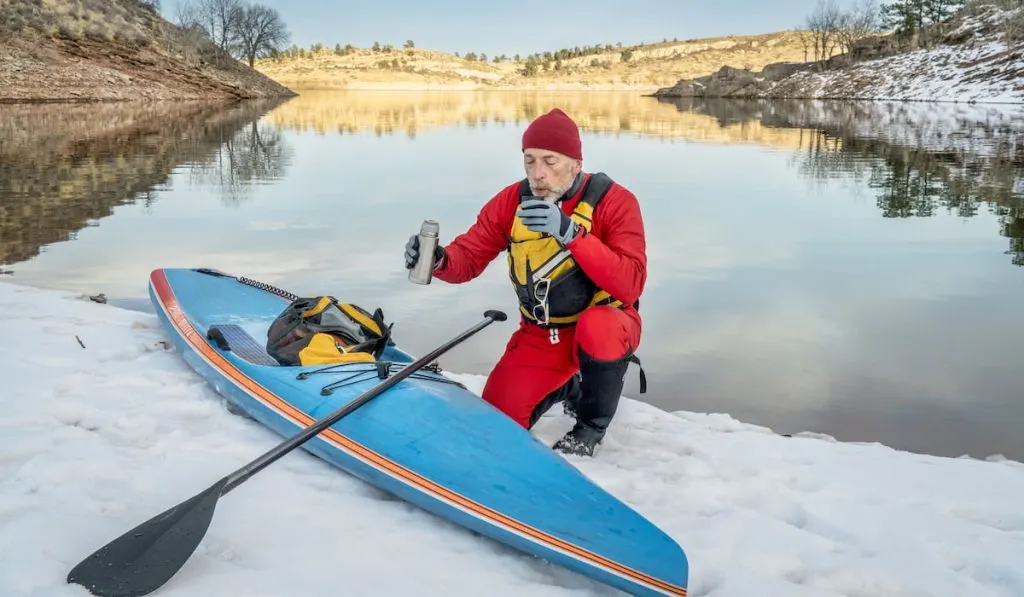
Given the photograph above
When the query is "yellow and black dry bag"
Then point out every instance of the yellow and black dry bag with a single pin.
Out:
(322, 331)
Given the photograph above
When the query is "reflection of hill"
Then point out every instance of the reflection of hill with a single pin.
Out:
(409, 112)
(63, 166)
(919, 159)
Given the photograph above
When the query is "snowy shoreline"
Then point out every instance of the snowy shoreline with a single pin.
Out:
(96, 439)
(946, 74)
(973, 64)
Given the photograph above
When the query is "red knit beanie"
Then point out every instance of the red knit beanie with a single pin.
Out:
(554, 131)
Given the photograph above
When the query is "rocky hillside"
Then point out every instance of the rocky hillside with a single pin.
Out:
(61, 50)
(646, 66)
(978, 56)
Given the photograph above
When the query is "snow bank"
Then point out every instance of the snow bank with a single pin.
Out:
(978, 65)
(985, 73)
(104, 428)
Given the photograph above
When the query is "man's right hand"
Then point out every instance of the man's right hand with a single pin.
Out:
(412, 252)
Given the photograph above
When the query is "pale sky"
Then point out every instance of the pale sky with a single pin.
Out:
(526, 27)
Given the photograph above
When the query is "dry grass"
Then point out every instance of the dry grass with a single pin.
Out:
(102, 20)
(134, 23)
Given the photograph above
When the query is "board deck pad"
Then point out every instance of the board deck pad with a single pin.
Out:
(244, 345)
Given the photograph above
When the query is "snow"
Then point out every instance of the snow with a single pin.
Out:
(96, 439)
(985, 68)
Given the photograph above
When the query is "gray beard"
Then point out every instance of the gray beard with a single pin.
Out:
(555, 193)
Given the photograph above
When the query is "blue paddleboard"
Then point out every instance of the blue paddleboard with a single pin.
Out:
(428, 440)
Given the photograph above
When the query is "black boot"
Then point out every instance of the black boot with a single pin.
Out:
(568, 393)
(572, 401)
(600, 388)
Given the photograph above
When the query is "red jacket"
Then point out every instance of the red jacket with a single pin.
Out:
(613, 254)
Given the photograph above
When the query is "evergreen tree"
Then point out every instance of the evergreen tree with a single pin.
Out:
(939, 11)
(909, 16)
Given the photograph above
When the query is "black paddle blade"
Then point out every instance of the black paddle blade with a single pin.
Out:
(143, 559)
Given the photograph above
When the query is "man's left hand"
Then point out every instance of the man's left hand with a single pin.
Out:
(541, 216)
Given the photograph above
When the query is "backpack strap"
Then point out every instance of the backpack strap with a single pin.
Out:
(373, 326)
(643, 377)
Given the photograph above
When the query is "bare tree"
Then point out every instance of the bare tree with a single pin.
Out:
(260, 32)
(858, 22)
(805, 39)
(823, 24)
(186, 15)
(191, 37)
(218, 19)
(224, 15)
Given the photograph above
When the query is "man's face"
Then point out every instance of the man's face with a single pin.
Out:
(550, 173)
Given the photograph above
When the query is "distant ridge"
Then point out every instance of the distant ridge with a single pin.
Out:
(645, 66)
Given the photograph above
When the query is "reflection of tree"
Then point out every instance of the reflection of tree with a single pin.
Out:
(918, 184)
(917, 164)
(821, 158)
(64, 167)
(253, 154)
(904, 192)
(1012, 227)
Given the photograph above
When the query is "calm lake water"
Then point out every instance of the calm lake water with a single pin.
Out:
(850, 269)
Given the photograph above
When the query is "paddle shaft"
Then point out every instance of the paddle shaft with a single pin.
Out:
(241, 475)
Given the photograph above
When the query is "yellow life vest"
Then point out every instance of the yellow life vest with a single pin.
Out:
(553, 291)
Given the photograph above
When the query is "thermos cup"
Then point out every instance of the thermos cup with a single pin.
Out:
(423, 271)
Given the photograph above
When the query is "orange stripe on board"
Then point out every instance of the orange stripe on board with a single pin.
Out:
(174, 312)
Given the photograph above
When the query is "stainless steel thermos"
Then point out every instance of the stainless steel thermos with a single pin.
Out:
(423, 271)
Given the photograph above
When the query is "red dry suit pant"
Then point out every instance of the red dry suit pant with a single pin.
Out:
(539, 361)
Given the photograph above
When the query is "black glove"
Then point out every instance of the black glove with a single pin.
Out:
(412, 252)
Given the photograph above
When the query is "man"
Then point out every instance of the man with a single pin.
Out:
(577, 260)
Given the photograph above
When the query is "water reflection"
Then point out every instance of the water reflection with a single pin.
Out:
(65, 167)
(256, 152)
(919, 160)
(612, 114)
